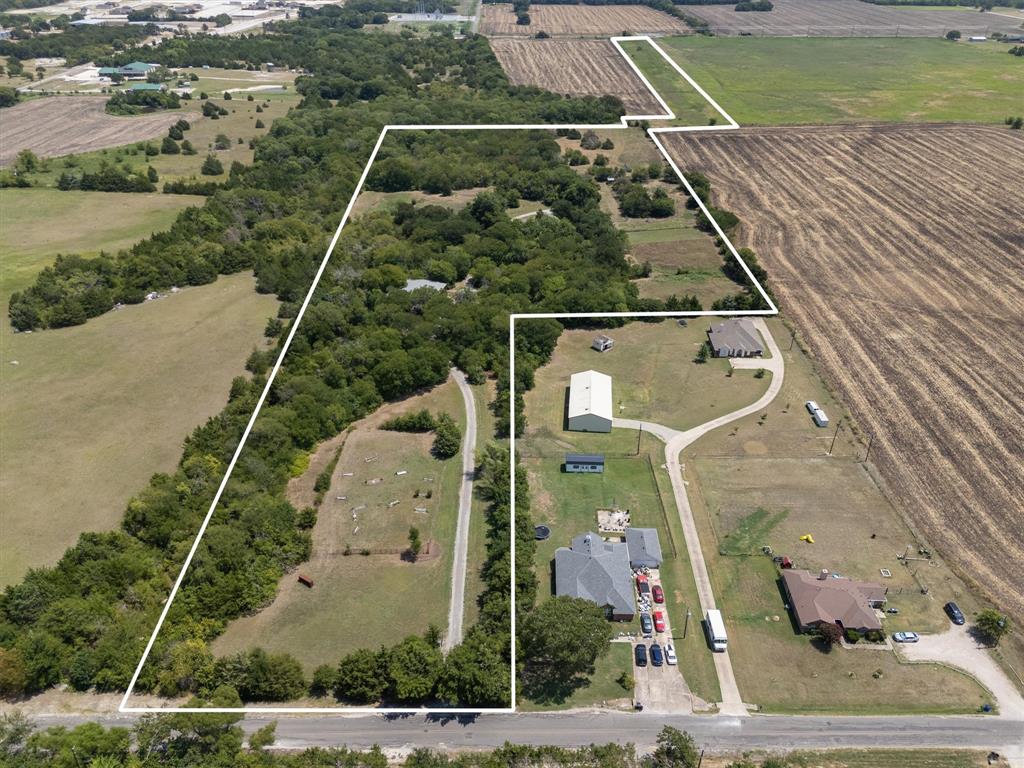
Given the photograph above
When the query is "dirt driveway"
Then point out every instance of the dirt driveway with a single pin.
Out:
(53, 126)
(957, 648)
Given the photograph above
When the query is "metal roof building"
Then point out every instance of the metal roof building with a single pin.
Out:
(590, 402)
(596, 570)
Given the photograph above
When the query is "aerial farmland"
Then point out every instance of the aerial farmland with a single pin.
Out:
(499, 20)
(893, 295)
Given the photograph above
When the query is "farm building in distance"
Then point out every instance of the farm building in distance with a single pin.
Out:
(137, 70)
(590, 402)
(597, 570)
(602, 343)
(827, 599)
(584, 462)
(644, 547)
(736, 337)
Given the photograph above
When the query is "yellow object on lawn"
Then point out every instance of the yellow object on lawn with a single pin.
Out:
(808, 538)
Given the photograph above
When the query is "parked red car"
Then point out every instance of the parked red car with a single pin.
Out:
(643, 586)
(658, 594)
(659, 621)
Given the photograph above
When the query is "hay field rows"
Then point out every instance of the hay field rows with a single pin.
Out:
(850, 18)
(66, 125)
(576, 67)
(896, 252)
(498, 20)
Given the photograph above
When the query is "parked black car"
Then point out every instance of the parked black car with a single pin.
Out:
(657, 657)
(955, 614)
(646, 625)
(640, 654)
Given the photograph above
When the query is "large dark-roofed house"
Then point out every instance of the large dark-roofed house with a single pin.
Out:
(825, 599)
(597, 570)
(736, 337)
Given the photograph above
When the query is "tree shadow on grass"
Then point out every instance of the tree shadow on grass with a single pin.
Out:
(544, 687)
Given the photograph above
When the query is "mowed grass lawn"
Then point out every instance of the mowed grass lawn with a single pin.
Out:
(654, 378)
(780, 81)
(90, 412)
(604, 688)
(367, 601)
(768, 481)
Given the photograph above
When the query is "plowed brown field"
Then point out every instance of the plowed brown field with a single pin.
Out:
(498, 20)
(850, 18)
(64, 125)
(576, 67)
(898, 252)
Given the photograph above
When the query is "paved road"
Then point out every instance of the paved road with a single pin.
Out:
(457, 607)
(591, 727)
(956, 647)
(675, 442)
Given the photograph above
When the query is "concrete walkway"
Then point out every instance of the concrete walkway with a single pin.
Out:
(457, 607)
(675, 442)
(957, 648)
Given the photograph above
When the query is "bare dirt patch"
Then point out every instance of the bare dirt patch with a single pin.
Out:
(498, 20)
(576, 67)
(67, 125)
(896, 252)
(848, 18)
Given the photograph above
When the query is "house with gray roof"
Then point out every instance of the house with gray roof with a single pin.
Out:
(597, 570)
(736, 337)
(415, 284)
(644, 547)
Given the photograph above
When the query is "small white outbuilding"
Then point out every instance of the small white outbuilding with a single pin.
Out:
(590, 402)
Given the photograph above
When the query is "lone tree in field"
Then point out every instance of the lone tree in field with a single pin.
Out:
(992, 625)
(211, 166)
(831, 634)
(415, 545)
(447, 438)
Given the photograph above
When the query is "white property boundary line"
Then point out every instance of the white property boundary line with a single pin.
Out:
(622, 124)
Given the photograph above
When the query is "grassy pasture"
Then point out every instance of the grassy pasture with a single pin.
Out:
(780, 465)
(653, 378)
(365, 601)
(781, 81)
(688, 105)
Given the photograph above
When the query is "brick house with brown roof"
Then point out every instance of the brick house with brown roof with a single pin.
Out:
(824, 598)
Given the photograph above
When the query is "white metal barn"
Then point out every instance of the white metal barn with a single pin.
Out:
(590, 402)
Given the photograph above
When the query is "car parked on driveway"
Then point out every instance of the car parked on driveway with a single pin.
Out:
(955, 614)
(643, 586)
(646, 625)
(906, 637)
(640, 654)
(658, 594)
(670, 655)
(659, 621)
(657, 657)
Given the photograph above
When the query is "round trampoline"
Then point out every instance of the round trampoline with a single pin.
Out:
(541, 532)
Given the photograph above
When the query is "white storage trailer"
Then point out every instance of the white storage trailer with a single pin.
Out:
(716, 630)
(820, 418)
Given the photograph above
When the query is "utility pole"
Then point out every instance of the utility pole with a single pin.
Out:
(686, 624)
(639, 434)
(838, 425)
(871, 439)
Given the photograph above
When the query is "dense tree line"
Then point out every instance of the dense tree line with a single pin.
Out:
(137, 102)
(78, 44)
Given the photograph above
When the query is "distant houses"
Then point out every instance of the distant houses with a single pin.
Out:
(584, 462)
(827, 599)
(590, 402)
(736, 337)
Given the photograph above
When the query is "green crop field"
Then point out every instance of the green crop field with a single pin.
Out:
(71, 452)
(780, 81)
(688, 105)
